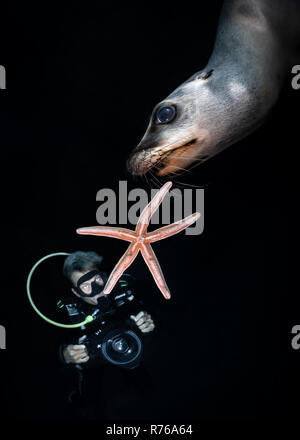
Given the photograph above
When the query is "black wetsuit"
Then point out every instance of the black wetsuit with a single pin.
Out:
(100, 382)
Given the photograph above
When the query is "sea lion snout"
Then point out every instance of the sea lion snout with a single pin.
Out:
(168, 156)
(145, 155)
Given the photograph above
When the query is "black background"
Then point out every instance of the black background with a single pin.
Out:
(81, 83)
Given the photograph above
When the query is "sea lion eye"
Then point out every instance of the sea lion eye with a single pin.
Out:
(165, 114)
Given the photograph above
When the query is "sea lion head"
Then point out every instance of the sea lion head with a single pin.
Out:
(206, 114)
(178, 134)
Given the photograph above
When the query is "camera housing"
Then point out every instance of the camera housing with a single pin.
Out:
(112, 337)
(120, 346)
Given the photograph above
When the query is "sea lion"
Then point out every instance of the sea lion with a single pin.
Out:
(255, 47)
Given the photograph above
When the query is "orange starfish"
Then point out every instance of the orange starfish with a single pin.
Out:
(140, 240)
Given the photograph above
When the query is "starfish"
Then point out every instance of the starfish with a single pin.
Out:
(140, 240)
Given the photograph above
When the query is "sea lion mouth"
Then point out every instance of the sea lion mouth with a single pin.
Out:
(171, 161)
(161, 160)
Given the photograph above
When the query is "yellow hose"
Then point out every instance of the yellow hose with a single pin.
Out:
(88, 319)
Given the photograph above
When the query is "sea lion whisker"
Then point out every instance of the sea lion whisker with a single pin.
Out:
(146, 179)
(184, 184)
(155, 179)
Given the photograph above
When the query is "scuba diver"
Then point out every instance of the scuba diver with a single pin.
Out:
(107, 354)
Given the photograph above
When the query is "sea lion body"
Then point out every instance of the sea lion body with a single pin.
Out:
(254, 49)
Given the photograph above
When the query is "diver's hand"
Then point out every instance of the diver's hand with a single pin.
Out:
(76, 354)
(144, 322)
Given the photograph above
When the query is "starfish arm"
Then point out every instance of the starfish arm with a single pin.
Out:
(121, 266)
(172, 229)
(149, 210)
(108, 231)
(153, 264)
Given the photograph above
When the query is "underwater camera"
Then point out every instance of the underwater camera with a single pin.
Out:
(119, 346)
(112, 336)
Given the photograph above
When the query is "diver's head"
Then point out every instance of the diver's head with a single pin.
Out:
(83, 271)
